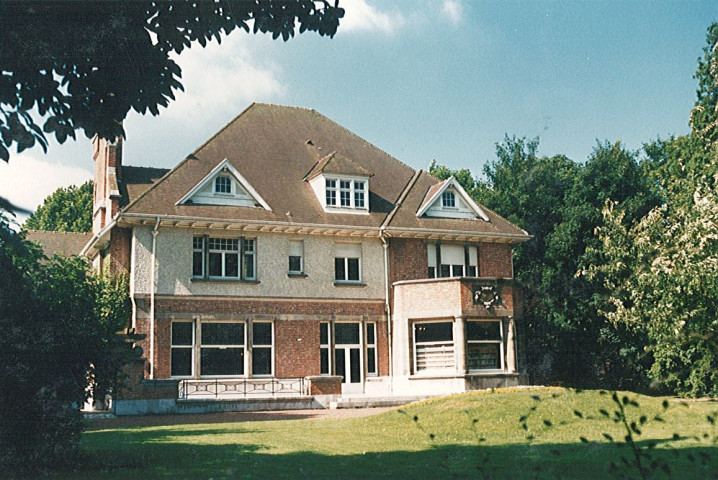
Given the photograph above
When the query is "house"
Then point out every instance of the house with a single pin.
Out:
(287, 253)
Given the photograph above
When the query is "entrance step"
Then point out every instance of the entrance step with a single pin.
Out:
(369, 402)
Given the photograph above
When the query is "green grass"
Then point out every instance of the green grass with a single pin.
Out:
(474, 435)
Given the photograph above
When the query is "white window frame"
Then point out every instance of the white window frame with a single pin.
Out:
(224, 253)
(203, 244)
(436, 256)
(345, 252)
(264, 346)
(499, 342)
(441, 350)
(296, 249)
(448, 200)
(330, 186)
(347, 193)
(219, 187)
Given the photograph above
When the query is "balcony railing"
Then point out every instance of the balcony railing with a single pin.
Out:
(229, 388)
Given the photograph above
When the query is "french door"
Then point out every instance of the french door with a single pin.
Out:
(348, 356)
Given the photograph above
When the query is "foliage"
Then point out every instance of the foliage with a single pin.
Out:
(663, 278)
(67, 209)
(389, 445)
(661, 274)
(559, 203)
(58, 327)
(704, 116)
(86, 65)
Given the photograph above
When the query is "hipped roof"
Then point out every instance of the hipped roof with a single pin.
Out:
(278, 149)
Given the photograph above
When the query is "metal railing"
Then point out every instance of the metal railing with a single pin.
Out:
(241, 387)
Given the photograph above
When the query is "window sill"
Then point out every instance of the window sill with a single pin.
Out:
(349, 284)
(224, 280)
(297, 275)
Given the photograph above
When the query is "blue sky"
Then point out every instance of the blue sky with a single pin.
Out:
(442, 80)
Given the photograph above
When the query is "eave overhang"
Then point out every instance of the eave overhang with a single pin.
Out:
(238, 225)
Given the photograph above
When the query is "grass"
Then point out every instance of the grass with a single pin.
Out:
(473, 435)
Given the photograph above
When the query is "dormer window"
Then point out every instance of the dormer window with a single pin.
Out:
(223, 184)
(340, 184)
(345, 193)
(448, 199)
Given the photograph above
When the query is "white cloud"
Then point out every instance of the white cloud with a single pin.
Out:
(26, 181)
(361, 16)
(220, 80)
(452, 10)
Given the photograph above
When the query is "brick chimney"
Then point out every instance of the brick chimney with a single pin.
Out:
(108, 171)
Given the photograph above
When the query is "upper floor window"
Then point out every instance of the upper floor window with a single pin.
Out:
(223, 258)
(223, 184)
(346, 193)
(347, 263)
(296, 257)
(446, 260)
(448, 199)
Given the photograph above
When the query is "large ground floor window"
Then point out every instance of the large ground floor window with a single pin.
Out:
(484, 345)
(220, 349)
(435, 349)
(434, 346)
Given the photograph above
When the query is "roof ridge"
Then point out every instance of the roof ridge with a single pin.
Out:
(402, 196)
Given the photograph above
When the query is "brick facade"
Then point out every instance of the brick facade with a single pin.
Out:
(296, 327)
(495, 260)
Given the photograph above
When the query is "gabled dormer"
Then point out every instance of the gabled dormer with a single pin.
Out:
(224, 185)
(448, 199)
(340, 184)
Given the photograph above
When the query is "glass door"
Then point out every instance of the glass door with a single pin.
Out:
(348, 357)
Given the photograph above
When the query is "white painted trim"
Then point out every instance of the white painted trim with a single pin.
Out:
(235, 173)
(452, 182)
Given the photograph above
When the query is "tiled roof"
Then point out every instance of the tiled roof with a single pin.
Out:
(268, 145)
(137, 180)
(62, 243)
(405, 215)
(277, 150)
(338, 164)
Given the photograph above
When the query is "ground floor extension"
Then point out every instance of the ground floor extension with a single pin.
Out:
(445, 336)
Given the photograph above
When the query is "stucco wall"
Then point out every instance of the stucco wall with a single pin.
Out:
(174, 267)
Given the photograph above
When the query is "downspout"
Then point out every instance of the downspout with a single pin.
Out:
(152, 298)
(387, 304)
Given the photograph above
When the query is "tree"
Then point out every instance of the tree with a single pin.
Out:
(662, 272)
(83, 66)
(59, 327)
(67, 209)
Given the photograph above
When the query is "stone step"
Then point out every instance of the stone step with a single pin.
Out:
(369, 402)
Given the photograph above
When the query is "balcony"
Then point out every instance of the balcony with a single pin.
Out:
(454, 297)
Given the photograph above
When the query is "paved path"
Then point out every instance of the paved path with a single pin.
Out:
(103, 422)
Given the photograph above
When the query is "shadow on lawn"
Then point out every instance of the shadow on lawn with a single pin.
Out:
(141, 453)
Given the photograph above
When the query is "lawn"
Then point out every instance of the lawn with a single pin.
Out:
(473, 435)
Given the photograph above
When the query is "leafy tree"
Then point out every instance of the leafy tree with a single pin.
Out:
(67, 209)
(85, 65)
(463, 176)
(662, 273)
(59, 326)
(704, 116)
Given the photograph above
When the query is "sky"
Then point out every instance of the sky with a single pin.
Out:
(424, 80)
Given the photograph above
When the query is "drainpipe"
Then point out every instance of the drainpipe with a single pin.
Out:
(387, 305)
(152, 298)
